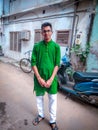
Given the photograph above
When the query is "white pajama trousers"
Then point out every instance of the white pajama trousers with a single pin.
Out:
(52, 106)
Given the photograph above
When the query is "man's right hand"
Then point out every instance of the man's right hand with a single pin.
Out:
(41, 81)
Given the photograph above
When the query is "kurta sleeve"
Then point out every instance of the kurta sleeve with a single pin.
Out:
(34, 56)
(58, 56)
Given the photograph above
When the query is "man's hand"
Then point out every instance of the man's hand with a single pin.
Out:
(41, 81)
(48, 83)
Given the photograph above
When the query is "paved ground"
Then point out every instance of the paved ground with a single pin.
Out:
(18, 105)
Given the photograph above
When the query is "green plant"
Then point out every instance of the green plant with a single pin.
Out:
(70, 72)
(0, 47)
(82, 53)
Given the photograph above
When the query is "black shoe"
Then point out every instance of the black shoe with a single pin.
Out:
(54, 126)
(37, 120)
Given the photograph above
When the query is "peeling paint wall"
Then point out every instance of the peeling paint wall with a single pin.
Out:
(92, 64)
(32, 26)
(25, 5)
(1, 11)
(1, 7)
(84, 21)
(32, 20)
(6, 7)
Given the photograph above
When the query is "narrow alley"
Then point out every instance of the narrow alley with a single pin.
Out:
(18, 105)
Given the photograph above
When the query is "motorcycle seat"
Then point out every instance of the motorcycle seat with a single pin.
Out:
(84, 76)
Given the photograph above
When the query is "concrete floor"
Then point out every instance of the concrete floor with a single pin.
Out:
(18, 105)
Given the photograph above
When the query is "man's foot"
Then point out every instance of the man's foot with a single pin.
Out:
(37, 120)
(54, 126)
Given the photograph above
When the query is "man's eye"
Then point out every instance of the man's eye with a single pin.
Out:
(45, 31)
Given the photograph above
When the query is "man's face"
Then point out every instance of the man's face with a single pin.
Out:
(47, 32)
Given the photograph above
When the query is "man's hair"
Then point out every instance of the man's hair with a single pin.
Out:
(46, 24)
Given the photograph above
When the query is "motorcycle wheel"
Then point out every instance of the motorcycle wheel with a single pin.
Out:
(92, 99)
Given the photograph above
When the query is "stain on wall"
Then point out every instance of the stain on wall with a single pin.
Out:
(92, 64)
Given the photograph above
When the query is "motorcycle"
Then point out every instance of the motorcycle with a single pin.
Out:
(84, 87)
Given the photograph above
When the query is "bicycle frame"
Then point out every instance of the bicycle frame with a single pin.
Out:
(25, 63)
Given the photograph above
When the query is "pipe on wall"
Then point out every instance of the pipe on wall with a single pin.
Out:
(90, 27)
(45, 17)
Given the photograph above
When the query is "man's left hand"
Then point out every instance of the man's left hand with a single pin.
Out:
(48, 83)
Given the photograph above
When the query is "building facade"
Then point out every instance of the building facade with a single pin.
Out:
(21, 22)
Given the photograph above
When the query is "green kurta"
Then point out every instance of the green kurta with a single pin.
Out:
(45, 56)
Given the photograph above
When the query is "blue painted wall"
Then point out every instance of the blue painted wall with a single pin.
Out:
(92, 64)
(6, 6)
(95, 26)
(1, 7)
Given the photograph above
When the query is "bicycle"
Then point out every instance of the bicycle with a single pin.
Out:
(25, 63)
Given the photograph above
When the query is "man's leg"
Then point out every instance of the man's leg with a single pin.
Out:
(40, 105)
(52, 107)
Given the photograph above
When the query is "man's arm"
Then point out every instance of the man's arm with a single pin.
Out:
(40, 80)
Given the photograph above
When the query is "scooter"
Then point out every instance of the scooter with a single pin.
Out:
(84, 87)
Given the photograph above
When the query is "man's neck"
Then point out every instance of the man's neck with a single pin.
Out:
(47, 40)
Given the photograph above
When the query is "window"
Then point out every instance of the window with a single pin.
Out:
(38, 36)
(63, 37)
(15, 42)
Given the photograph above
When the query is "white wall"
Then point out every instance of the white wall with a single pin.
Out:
(59, 23)
(83, 27)
(20, 5)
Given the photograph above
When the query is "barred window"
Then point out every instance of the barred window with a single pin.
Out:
(63, 37)
(38, 36)
(15, 41)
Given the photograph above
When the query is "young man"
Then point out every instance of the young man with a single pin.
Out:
(45, 62)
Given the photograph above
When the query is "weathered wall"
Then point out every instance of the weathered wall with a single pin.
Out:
(32, 26)
(1, 7)
(1, 11)
(6, 7)
(20, 5)
(92, 64)
(33, 20)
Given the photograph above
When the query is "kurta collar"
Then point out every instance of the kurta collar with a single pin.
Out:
(47, 43)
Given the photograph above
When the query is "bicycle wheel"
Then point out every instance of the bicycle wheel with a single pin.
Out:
(25, 65)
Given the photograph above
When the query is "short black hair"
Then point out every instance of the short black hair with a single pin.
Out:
(46, 24)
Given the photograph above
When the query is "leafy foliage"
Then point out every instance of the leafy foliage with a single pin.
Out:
(0, 47)
(81, 52)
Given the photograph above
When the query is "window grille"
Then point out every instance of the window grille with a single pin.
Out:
(15, 41)
(63, 37)
(38, 36)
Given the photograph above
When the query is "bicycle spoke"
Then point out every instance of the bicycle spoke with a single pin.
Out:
(25, 65)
